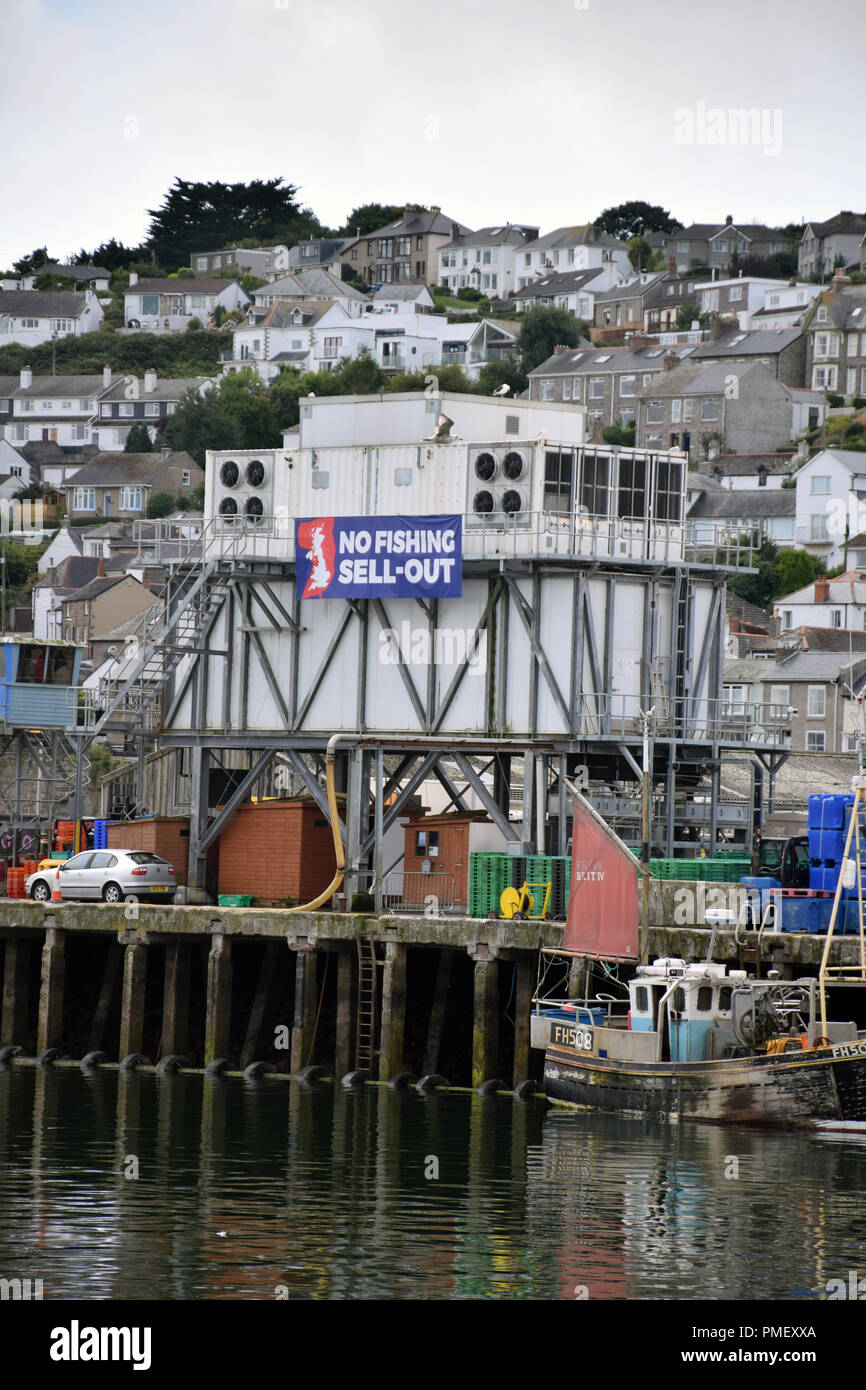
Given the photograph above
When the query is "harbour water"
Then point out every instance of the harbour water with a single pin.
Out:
(179, 1188)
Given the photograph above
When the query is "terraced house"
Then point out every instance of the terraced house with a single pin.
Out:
(485, 260)
(835, 332)
(606, 382)
(405, 251)
(829, 244)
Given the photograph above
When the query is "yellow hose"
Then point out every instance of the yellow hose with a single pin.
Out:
(335, 831)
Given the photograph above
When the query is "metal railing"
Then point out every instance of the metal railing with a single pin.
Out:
(702, 720)
(521, 534)
(410, 891)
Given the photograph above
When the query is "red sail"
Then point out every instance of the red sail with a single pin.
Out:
(602, 905)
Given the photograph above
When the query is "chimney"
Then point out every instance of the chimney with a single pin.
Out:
(149, 380)
(734, 625)
(717, 328)
(165, 451)
(560, 347)
(26, 377)
(100, 569)
(133, 278)
(434, 208)
(640, 340)
(672, 266)
(669, 361)
(822, 589)
(839, 281)
(596, 432)
(106, 377)
(455, 231)
(729, 219)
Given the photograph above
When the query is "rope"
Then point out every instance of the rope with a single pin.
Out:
(319, 1009)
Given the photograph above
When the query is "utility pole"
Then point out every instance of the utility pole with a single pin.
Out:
(2, 586)
(646, 717)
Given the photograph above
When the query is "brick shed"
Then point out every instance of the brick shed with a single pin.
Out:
(167, 836)
(277, 851)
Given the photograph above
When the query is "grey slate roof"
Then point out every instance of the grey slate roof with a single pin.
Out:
(758, 342)
(745, 503)
(118, 469)
(94, 588)
(185, 285)
(64, 304)
(503, 234)
(812, 666)
(61, 386)
(560, 282)
(166, 389)
(741, 465)
(585, 235)
(846, 310)
(416, 224)
(633, 289)
(599, 360)
(843, 222)
(83, 273)
(745, 611)
(694, 379)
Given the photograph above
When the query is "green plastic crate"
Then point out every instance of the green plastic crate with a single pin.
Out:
(234, 899)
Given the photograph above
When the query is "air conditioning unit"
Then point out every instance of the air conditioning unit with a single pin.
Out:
(499, 485)
(244, 489)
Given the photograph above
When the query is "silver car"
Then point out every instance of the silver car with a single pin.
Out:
(108, 875)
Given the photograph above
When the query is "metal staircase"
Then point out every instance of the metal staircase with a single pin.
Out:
(196, 587)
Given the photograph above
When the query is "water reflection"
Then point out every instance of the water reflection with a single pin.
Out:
(128, 1186)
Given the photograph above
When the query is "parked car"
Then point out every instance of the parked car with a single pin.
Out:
(109, 875)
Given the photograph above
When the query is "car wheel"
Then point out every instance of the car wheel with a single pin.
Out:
(111, 893)
(40, 892)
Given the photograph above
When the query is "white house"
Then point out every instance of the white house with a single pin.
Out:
(571, 248)
(826, 244)
(741, 295)
(784, 305)
(302, 334)
(485, 260)
(314, 283)
(66, 541)
(57, 408)
(30, 316)
(575, 291)
(168, 306)
(831, 498)
(266, 262)
(839, 603)
(401, 299)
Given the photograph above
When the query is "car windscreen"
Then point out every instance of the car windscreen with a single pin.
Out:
(140, 856)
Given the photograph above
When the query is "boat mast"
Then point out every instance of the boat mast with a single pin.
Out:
(850, 875)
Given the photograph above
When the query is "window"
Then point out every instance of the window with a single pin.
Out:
(126, 408)
(709, 408)
(687, 411)
(641, 1000)
(736, 698)
(676, 412)
(596, 387)
(29, 323)
(631, 499)
(816, 702)
(669, 494)
(786, 619)
(654, 413)
(433, 844)
(819, 485)
(626, 385)
(826, 345)
(151, 408)
(736, 292)
(818, 527)
(185, 478)
(566, 388)
(546, 390)
(84, 499)
(626, 416)
(705, 999)
(332, 347)
(824, 378)
(595, 484)
(150, 304)
(130, 499)
(558, 480)
(815, 740)
(201, 262)
(779, 695)
(27, 406)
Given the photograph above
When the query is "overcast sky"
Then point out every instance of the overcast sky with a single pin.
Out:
(495, 110)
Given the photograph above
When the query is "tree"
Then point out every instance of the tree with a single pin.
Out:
(160, 504)
(362, 375)
(196, 216)
(34, 261)
(48, 281)
(765, 267)
(110, 255)
(795, 569)
(504, 373)
(687, 314)
(631, 219)
(203, 422)
(762, 587)
(640, 253)
(138, 441)
(369, 217)
(541, 331)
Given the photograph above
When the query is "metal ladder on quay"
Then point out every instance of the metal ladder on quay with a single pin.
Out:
(366, 1048)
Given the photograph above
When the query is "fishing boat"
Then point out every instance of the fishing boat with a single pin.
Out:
(693, 1040)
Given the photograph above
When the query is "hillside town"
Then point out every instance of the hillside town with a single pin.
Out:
(696, 340)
